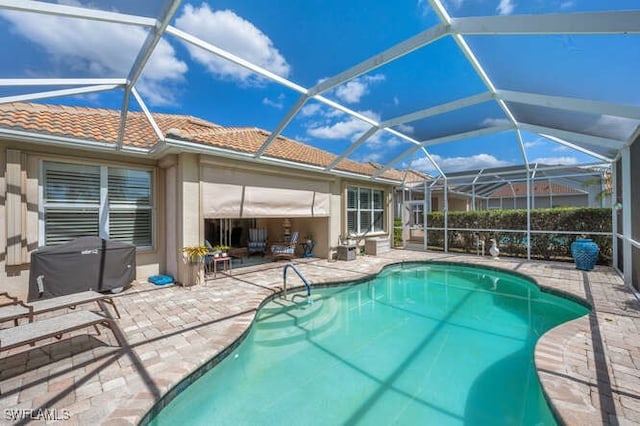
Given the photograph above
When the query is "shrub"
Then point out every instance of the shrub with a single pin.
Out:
(549, 246)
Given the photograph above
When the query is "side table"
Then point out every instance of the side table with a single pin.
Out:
(226, 265)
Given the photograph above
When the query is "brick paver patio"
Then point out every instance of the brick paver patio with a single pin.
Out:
(589, 367)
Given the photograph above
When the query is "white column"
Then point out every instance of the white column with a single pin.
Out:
(626, 214)
(528, 215)
(614, 213)
(427, 200)
(404, 219)
(473, 197)
(446, 216)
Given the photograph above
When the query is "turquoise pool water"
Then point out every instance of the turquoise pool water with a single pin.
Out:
(419, 344)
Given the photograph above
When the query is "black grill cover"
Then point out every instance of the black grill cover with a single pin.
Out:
(87, 263)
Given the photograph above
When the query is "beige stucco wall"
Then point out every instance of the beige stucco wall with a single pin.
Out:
(242, 173)
(541, 202)
(209, 169)
(178, 215)
(454, 201)
(14, 275)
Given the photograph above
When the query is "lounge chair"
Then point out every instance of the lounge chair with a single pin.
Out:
(285, 250)
(16, 309)
(32, 332)
(258, 240)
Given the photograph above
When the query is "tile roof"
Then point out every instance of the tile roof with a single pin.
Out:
(102, 125)
(538, 189)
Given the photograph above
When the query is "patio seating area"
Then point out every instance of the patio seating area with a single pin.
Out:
(586, 366)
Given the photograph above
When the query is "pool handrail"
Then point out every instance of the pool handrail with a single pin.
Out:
(302, 277)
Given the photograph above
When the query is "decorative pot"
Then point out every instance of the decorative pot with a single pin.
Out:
(585, 253)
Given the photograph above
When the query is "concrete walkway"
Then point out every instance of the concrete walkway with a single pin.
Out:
(589, 367)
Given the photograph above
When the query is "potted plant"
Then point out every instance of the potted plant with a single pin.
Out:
(194, 256)
(220, 250)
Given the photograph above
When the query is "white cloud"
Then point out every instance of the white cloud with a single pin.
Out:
(456, 4)
(406, 129)
(567, 4)
(505, 7)
(534, 143)
(225, 29)
(495, 122)
(352, 91)
(327, 123)
(382, 142)
(552, 161)
(454, 164)
(326, 126)
(277, 104)
(310, 109)
(372, 156)
(615, 127)
(81, 47)
(351, 128)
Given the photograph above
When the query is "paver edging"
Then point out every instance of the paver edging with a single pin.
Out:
(553, 344)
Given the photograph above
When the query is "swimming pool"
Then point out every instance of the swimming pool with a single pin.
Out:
(418, 344)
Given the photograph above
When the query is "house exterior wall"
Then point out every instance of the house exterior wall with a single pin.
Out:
(455, 202)
(20, 208)
(178, 217)
(541, 202)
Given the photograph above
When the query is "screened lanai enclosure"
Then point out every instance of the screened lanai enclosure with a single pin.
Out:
(525, 227)
(498, 104)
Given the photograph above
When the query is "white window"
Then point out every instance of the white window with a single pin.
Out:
(365, 210)
(110, 202)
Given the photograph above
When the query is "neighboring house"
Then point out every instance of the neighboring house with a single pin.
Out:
(65, 176)
(545, 194)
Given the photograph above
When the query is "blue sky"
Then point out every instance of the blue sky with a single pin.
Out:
(312, 40)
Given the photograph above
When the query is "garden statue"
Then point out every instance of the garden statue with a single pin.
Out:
(495, 252)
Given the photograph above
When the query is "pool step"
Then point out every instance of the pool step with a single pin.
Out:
(285, 312)
(296, 324)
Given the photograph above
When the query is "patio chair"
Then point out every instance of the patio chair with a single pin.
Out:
(258, 240)
(285, 250)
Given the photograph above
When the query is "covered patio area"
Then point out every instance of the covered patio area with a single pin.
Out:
(588, 367)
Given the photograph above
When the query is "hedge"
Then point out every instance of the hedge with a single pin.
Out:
(580, 221)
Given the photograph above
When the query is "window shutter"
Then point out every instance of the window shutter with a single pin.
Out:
(73, 207)
(129, 187)
(130, 218)
(71, 184)
(63, 225)
(131, 226)
(352, 222)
